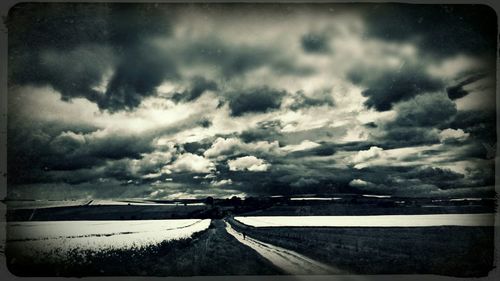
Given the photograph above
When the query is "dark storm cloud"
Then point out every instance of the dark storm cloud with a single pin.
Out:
(73, 73)
(358, 145)
(114, 146)
(92, 189)
(126, 170)
(320, 134)
(446, 179)
(372, 125)
(425, 111)
(255, 100)
(73, 52)
(380, 174)
(441, 178)
(400, 180)
(285, 175)
(136, 76)
(233, 59)
(417, 181)
(266, 130)
(324, 149)
(205, 123)
(396, 137)
(442, 30)
(481, 176)
(198, 86)
(64, 26)
(301, 100)
(388, 87)
(481, 124)
(33, 154)
(69, 47)
(457, 91)
(197, 147)
(303, 179)
(40, 152)
(37, 153)
(305, 182)
(474, 149)
(285, 179)
(415, 121)
(419, 121)
(229, 59)
(314, 43)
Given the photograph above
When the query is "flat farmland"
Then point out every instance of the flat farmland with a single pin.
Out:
(463, 251)
(106, 211)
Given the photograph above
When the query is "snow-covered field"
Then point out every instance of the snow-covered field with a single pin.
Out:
(371, 221)
(62, 236)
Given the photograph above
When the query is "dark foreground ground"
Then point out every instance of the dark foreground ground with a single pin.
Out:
(211, 252)
(444, 250)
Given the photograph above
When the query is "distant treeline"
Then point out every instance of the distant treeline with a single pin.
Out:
(215, 208)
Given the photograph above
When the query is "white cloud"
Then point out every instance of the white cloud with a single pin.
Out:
(227, 146)
(151, 175)
(68, 141)
(189, 162)
(222, 146)
(306, 119)
(44, 104)
(359, 183)
(304, 145)
(79, 138)
(372, 153)
(370, 187)
(221, 182)
(248, 163)
(452, 134)
(455, 66)
(376, 156)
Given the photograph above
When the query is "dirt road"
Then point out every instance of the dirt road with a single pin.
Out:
(287, 260)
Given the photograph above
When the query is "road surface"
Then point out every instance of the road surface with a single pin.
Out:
(287, 260)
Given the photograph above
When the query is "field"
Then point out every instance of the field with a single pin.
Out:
(210, 251)
(102, 211)
(37, 239)
(371, 221)
(443, 250)
(359, 206)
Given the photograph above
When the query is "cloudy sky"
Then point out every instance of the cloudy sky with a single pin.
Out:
(169, 101)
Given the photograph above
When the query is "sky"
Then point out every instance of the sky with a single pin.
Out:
(193, 100)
